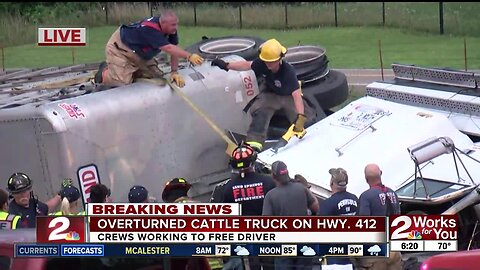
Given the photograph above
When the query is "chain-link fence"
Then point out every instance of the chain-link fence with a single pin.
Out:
(434, 17)
(457, 18)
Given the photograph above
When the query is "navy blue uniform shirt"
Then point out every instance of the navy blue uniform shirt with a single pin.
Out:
(284, 82)
(145, 37)
(373, 202)
(341, 203)
(249, 191)
(28, 215)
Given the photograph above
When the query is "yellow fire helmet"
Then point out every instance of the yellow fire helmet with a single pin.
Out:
(271, 51)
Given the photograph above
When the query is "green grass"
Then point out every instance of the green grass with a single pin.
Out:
(460, 18)
(349, 47)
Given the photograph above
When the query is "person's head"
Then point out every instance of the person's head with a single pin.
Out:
(243, 158)
(338, 180)
(70, 200)
(138, 194)
(271, 53)
(20, 186)
(99, 193)
(3, 200)
(373, 174)
(168, 22)
(280, 173)
(302, 180)
(174, 189)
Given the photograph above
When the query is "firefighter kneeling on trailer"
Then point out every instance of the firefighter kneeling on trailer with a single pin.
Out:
(282, 91)
(131, 49)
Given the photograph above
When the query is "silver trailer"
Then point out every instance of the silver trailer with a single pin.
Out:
(141, 133)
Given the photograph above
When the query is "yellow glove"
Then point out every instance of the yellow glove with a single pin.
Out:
(195, 59)
(300, 123)
(177, 78)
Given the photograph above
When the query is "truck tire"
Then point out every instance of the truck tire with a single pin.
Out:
(244, 46)
(321, 95)
(309, 61)
(329, 91)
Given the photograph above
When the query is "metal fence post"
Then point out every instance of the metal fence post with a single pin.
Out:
(240, 14)
(440, 15)
(383, 13)
(380, 54)
(73, 55)
(465, 52)
(286, 15)
(194, 13)
(336, 14)
(106, 12)
(3, 58)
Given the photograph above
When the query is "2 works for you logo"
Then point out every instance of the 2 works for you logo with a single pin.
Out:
(61, 229)
(423, 227)
(62, 37)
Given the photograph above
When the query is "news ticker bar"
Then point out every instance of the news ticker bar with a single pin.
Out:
(237, 237)
(167, 250)
(424, 245)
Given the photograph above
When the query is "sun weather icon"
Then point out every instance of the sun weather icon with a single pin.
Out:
(72, 236)
(414, 235)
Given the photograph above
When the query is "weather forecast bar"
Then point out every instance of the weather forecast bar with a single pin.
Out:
(407, 245)
(441, 245)
(187, 250)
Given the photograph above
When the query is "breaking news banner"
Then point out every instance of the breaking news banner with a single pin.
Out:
(187, 250)
(238, 229)
(62, 36)
(423, 233)
(163, 209)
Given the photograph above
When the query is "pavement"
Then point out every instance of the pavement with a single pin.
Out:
(363, 77)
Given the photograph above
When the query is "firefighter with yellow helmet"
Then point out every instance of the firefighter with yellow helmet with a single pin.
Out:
(281, 90)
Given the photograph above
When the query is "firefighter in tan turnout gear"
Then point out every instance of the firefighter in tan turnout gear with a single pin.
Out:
(131, 49)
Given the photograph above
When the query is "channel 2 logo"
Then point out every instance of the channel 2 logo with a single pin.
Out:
(62, 229)
(423, 227)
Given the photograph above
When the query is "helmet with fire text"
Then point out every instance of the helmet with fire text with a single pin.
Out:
(174, 189)
(19, 182)
(244, 156)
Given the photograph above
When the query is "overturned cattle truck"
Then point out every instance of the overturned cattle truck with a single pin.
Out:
(139, 134)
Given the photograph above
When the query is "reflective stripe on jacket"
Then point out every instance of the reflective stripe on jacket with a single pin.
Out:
(60, 213)
(8, 221)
